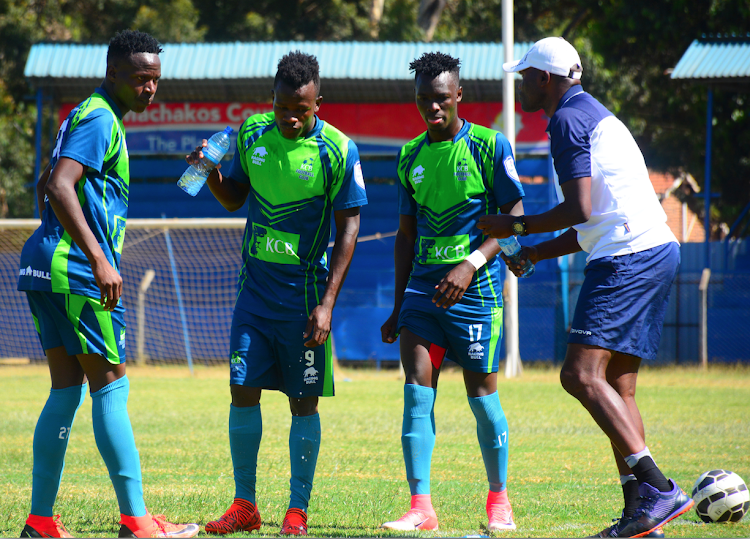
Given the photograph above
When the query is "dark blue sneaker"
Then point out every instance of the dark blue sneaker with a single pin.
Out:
(655, 509)
(618, 524)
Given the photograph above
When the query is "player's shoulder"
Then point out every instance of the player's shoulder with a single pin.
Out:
(483, 132)
(256, 122)
(338, 142)
(413, 145)
(93, 109)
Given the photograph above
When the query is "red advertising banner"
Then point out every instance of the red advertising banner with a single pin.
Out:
(166, 128)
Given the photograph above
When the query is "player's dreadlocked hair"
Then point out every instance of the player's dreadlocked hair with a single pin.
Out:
(297, 69)
(129, 42)
(433, 64)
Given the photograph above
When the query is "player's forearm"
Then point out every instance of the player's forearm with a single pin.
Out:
(227, 191)
(403, 254)
(341, 259)
(564, 244)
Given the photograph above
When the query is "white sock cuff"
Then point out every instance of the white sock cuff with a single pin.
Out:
(632, 460)
(625, 478)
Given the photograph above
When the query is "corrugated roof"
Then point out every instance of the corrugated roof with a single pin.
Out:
(350, 71)
(716, 59)
(258, 60)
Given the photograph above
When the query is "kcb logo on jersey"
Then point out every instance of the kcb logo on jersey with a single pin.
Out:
(444, 250)
(122, 338)
(274, 246)
(259, 155)
(476, 351)
(118, 236)
(305, 170)
(462, 170)
(417, 175)
(310, 376)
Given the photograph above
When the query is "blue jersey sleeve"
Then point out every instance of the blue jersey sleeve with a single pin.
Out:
(89, 141)
(570, 135)
(406, 203)
(506, 184)
(352, 193)
(236, 172)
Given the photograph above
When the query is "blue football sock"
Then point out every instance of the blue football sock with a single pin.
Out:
(492, 433)
(304, 444)
(114, 438)
(245, 432)
(50, 442)
(418, 436)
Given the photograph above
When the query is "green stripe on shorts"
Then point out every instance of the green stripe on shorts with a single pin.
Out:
(328, 376)
(74, 305)
(497, 333)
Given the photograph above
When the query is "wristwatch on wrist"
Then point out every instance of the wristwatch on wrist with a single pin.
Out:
(519, 226)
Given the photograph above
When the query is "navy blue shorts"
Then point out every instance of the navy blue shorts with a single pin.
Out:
(623, 301)
(78, 323)
(271, 354)
(470, 334)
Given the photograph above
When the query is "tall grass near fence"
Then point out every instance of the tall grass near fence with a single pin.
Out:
(562, 479)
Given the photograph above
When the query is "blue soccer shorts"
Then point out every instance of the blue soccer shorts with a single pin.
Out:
(470, 334)
(271, 354)
(623, 301)
(78, 323)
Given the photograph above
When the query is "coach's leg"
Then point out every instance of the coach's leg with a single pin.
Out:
(583, 375)
(304, 445)
(622, 374)
(245, 433)
(52, 431)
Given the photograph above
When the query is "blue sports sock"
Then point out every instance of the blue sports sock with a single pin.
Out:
(114, 438)
(245, 432)
(304, 444)
(50, 443)
(492, 433)
(418, 436)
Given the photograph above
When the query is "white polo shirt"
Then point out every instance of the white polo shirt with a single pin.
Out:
(588, 140)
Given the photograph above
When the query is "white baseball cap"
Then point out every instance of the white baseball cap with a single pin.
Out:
(552, 54)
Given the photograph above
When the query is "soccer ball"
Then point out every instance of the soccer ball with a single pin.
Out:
(720, 496)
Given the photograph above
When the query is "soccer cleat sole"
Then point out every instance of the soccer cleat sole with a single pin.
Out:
(684, 509)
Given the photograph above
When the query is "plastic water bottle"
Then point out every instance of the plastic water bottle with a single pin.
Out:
(196, 175)
(512, 250)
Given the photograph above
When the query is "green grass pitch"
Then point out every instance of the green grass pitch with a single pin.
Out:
(562, 478)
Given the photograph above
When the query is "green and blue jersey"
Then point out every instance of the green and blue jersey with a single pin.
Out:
(94, 136)
(295, 184)
(448, 186)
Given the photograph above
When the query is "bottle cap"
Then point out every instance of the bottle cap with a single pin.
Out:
(228, 130)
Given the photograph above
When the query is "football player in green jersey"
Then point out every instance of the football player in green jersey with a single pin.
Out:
(295, 170)
(448, 287)
(70, 272)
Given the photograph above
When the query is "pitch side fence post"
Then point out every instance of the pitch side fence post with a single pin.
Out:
(148, 277)
(703, 287)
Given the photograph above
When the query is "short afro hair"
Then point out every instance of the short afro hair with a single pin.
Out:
(297, 69)
(130, 42)
(432, 64)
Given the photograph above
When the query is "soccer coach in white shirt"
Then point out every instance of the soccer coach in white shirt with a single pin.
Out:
(610, 209)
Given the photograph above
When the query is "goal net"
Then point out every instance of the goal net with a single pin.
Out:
(179, 282)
